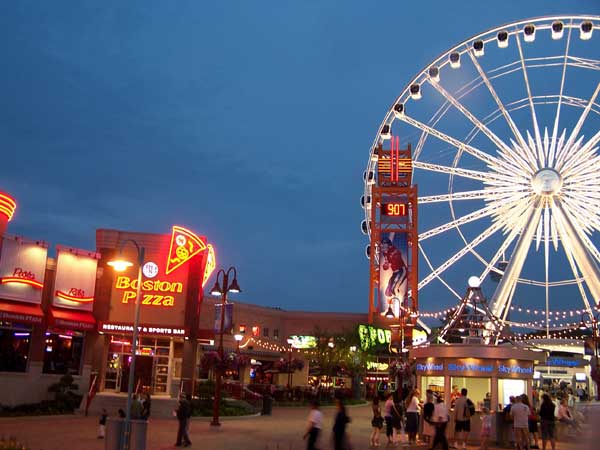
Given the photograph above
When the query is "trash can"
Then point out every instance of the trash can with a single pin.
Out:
(267, 405)
(115, 428)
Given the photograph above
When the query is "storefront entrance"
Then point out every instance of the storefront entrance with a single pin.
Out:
(152, 366)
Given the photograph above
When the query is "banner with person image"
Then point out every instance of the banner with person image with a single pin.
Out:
(393, 272)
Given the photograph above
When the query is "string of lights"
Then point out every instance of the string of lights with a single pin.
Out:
(552, 315)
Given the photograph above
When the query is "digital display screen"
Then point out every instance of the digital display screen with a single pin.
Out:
(394, 209)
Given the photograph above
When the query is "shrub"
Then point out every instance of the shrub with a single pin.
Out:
(11, 443)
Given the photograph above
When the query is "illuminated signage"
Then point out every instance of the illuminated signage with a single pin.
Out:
(74, 295)
(303, 342)
(150, 269)
(380, 367)
(371, 336)
(75, 278)
(130, 286)
(563, 362)
(471, 367)
(145, 329)
(514, 368)
(7, 205)
(429, 367)
(22, 270)
(211, 263)
(394, 209)
(184, 246)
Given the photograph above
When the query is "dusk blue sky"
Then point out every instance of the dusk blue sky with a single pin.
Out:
(249, 122)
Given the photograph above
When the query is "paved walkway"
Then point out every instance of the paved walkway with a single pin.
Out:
(281, 431)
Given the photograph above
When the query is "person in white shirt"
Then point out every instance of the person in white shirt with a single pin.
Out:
(440, 419)
(413, 408)
(520, 414)
(315, 424)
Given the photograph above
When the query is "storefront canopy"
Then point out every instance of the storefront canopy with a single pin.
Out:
(72, 319)
(21, 312)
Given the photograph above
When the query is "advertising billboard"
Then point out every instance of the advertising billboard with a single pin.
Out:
(393, 272)
(75, 279)
(22, 270)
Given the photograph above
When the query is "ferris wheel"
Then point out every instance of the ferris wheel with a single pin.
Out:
(505, 130)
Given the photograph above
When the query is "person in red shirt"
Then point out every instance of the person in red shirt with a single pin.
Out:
(392, 259)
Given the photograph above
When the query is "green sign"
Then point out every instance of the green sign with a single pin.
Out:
(371, 336)
(303, 342)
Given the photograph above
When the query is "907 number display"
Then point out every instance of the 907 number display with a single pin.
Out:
(394, 209)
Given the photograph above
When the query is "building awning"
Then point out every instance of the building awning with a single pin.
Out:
(76, 320)
(21, 312)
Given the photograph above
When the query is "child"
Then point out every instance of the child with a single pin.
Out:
(102, 422)
(486, 427)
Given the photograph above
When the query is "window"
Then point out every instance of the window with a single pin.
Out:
(265, 332)
(255, 331)
(276, 333)
(242, 329)
(63, 352)
(14, 347)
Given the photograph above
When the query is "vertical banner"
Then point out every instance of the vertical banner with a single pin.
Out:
(228, 323)
(393, 272)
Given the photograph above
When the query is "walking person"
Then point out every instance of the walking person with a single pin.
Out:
(440, 420)
(564, 415)
(532, 422)
(315, 424)
(390, 412)
(413, 410)
(548, 422)
(146, 405)
(376, 422)
(183, 413)
(463, 410)
(102, 424)
(486, 428)
(428, 408)
(520, 414)
(136, 408)
(340, 437)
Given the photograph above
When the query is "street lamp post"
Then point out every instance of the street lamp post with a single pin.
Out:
(120, 264)
(238, 338)
(216, 290)
(595, 342)
(290, 342)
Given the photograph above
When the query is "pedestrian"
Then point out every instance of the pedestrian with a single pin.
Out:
(340, 438)
(136, 408)
(121, 413)
(463, 410)
(188, 397)
(486, 428)
(440, 420)
(315, 424)
(146, 405)
(548, 422)
(376, 422)
(564, 415)
(390, 412)
(532, 421)
(520, 414)
(428, 426)
(413, 409)
(183, 413)
(102, 424)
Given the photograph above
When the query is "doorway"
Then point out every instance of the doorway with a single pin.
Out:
(143, 373)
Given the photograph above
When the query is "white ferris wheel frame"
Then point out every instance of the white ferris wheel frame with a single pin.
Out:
(547, 220)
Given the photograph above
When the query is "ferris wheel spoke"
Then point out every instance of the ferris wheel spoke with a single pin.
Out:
(552, 151)
(576, 242)
(481, 155)
(462, 252)
(469, 115)
(467, 195)
(582, 292)
(503, 294)
(569, 148)
(428, 262)
(491, 265)
(467, 173)
(509, 120)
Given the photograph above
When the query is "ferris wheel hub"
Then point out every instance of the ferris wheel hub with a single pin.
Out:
(546, 182)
